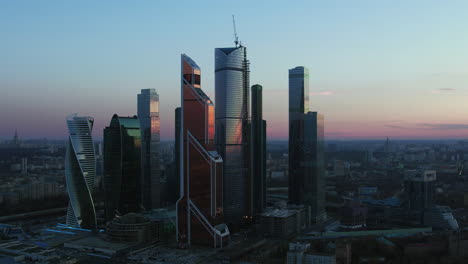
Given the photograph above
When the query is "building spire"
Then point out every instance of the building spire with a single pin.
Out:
(15, 137)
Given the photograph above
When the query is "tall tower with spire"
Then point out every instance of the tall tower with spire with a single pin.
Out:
(16, 140)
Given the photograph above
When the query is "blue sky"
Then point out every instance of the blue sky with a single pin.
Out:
(377, 68)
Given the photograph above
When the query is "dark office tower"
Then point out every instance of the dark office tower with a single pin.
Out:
(419, 189)
(174, 180)
(306, 148)
(298, 91)
(80, 170)
(148, 114)
(232, 131)
(200, 207)
(122, 161)
(258, 152)
(298, 107)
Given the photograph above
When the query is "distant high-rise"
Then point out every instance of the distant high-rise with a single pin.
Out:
(122, 161)
(200, 206)
(148, 114)
(233, 130)
(419, 189)
(306, 147)
(258, 152)
(16, 140)
(80, 170)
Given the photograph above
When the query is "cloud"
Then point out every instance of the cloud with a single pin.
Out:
(396, 126)
(325, 93)
(444, 126)
(425, 126)
(441, 90)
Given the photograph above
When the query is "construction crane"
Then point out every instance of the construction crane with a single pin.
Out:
(236, 39)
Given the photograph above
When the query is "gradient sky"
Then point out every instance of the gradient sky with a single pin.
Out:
(377, 68)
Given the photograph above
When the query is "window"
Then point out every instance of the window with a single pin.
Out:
(188, 78)
(197, 79)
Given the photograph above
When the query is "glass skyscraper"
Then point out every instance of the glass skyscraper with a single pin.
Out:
(80, 171)
(306, 148)
(148, 114)
(298, 91)
(233, 130)
(258, 152)
(200, 206)
(174, 180)
(122, 161)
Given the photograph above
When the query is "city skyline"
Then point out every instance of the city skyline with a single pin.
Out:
(298, 133)
(368, 62)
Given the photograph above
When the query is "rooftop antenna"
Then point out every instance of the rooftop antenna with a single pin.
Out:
(236, 39)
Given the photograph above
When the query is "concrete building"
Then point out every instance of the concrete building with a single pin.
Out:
(132, 228)
(440, 217)
(353, 215)
(303, 253)
(284, 222)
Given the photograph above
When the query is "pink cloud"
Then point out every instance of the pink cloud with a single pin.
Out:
(442, 90)
(324, 93)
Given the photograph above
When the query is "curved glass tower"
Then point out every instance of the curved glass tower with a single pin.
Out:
(232, 130)
(122, 157)
(80, 170)
(200, 206)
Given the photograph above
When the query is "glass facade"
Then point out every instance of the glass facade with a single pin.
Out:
(233, 130)
(174, 180)
(122, 160)
(200, 207)
(306, 148)
(80, 171)
(148, 114)
(298, 90)
(258, 152)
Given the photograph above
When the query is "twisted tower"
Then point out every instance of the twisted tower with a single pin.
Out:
(80, 170)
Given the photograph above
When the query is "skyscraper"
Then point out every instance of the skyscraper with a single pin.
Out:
(200, 207)
(122, 161)
(80, 170)
(419, 189)
(148, 114)
(298, 91)
(306, 148)
(232, 130)
(174, 179)
(258, 152)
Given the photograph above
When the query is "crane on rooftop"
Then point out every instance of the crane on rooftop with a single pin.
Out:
(236, 38)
